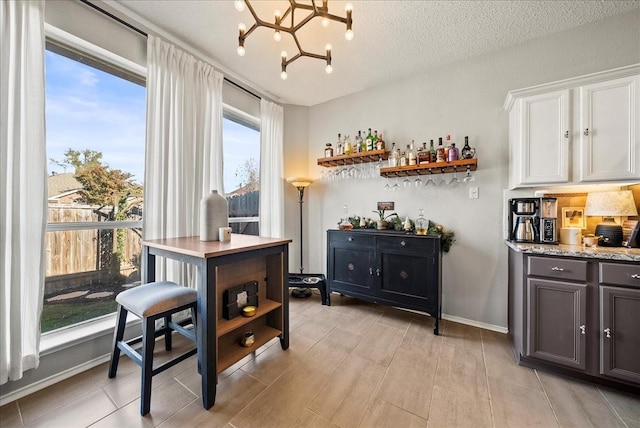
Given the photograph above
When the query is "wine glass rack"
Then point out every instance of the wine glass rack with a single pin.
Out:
(430, 168)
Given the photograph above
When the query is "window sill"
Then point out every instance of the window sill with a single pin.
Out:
(67, 337)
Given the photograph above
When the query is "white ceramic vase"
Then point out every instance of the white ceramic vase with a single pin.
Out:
(214, 214)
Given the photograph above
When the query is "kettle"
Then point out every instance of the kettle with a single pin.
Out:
(525, 230)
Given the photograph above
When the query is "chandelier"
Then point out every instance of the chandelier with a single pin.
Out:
(280, 25)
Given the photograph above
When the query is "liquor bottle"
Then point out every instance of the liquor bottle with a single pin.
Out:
(432, 150)
(453, 153)
(348, 147)
(374, 142)
(466, 152)
(393, 156)
(424, 155)
(328, 151)
(440, 152)
(421, 224)
(403, 158)
(339, 150)
(411, 154)
(359, 143)
(339, 143)
(447, 146)
(380, 143)
(369, 141)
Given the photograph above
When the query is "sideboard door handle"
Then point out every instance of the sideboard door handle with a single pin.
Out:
(583, 329)
(377, 272)
(557, 269)
(635, 276)
(607, 332)
(370, 271)
(403, 243)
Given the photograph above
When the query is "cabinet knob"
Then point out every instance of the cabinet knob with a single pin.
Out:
(586, 132)
(350, 239)
(557, 269)
(370, 271)
(566, 134)
(377, 272)
(403, 243)
(583, 329)
(607, 332)
(635, 276)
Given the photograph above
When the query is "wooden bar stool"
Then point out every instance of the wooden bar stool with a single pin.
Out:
(151, 302)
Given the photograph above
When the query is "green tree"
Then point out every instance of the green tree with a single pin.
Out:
(249, 174)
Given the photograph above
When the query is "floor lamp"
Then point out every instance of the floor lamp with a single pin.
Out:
(300, 183)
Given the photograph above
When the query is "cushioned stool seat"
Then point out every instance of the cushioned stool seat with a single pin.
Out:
(151, 302)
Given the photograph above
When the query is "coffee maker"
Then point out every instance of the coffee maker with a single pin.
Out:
(533, 220)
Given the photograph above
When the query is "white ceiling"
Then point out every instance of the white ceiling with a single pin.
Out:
(392, 39)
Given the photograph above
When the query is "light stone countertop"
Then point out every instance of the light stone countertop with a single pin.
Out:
(604, 253)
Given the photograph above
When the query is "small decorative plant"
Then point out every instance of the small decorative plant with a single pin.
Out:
(382, 223)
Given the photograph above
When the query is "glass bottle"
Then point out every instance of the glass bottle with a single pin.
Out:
(466, 152)
(348, 148)
(453, 153)
(424, 155)
(393, 156)
(432, 150)
(411, 154)
(359, 143)
(440, 152)
(374, 141)
(403, 158)
(328, 151)
(380, 143)
(447, 146)
(421, 223)
(369, 141)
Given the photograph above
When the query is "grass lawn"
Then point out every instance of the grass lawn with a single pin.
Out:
(56, 315)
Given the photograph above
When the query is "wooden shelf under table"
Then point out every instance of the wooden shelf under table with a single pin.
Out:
(225, 326)
(233, 352)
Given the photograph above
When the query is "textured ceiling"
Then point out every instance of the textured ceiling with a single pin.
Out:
(392, 39)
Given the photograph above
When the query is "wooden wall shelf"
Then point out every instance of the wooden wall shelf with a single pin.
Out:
(430, 168)
(370, 156)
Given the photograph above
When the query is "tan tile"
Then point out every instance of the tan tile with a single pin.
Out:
(81, 412)
(631, 423)
(501, 364)
(342, 339)
(379, 344)
(627, 405)
(233, 394)
(516, 406)
(460, 335)
(577, 404)
(397, 318)
(269, 365)
(408, 383)
(282, 403)
(166, 400)
(37, 404)
(347, 393)
(10, 415)
(311, 420)
(384, 415)
(462, 371)
(450, 409)
(420, 333)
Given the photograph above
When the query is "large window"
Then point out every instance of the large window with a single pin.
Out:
(95, 124)
(241, 148)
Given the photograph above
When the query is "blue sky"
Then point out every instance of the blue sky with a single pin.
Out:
(90, 109)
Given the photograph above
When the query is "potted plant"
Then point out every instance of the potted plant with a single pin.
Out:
(382, 223)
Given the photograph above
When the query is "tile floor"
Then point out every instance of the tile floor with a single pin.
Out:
(349, 365)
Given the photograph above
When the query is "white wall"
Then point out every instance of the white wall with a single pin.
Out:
(464, 98)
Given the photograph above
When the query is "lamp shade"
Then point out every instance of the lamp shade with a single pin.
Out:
(609, 204)
(300, 181)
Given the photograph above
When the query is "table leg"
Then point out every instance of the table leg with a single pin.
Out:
(149, 272)
(206, 330)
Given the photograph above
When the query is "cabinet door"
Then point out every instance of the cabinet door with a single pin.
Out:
(556, 315)
(408, 280)
(620, 333)
(543, 154)
(351, 268)
(608, 128)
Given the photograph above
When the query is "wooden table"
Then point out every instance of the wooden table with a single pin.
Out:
(221, 266)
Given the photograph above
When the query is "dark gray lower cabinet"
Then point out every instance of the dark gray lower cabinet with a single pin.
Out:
(556, 320)
(580, 316)
(620, 333)
(386, 267)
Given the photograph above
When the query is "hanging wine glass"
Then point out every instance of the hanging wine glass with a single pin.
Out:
(430, 183)
(468, 177)
(418, 182)
(396, 186)
(407, 182)
(454, 181)
(441, 181)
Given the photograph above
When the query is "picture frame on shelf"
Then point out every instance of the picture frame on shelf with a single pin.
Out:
(574, 217)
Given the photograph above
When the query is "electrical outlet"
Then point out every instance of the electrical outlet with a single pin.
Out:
(473, 193)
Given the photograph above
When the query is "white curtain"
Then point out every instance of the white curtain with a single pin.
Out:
(183, 159)
(23, 194)
(271, 170)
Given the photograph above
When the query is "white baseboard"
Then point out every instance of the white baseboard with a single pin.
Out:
(58, 377)
(478, 324)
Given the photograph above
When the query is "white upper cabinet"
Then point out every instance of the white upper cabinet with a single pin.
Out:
(609, 138)
(580, 130)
